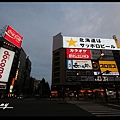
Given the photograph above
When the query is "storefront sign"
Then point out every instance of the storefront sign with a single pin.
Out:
(78, 64)
(78, 53)
(108, 65)
(89, 43)
(6, 59)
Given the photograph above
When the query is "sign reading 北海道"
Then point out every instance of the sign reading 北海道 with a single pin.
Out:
(89, 43)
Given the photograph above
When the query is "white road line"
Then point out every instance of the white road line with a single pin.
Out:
(99, 110)
(114, 105)
(106, 115)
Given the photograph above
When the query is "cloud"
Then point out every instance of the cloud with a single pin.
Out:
(38, 22)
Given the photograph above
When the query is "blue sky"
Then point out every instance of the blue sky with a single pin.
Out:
(38, 22)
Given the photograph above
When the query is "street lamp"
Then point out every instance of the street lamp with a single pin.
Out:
(101, 74)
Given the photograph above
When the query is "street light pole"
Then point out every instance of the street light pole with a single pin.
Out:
(101, 74)
(107, 71)
(115, 82)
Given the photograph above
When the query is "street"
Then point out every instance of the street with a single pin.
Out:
(55, 107)
(38, 107)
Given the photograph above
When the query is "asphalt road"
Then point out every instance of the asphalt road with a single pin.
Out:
(37, 107)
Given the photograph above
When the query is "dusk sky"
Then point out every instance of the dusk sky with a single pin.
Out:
(38, 22)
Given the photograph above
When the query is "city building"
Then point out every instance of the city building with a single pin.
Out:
(20, 73)
(27, 76)
(82, 66)
(15, 67)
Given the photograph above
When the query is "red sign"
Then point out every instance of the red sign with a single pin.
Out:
(78, 53)
(13, 36)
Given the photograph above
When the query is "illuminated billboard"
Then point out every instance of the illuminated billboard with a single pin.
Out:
(109, 65)
(101, 78)
(89, 43)
(6, 59)
(78, 53)
(78, 64)
(13, 36)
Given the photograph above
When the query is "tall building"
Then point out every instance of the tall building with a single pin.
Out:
(15, 68)
(84, 65)
(20, 72)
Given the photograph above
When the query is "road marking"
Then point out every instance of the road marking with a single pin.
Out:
(113, 105)
(98, 110)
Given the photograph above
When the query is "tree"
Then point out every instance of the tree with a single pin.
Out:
(44, 88)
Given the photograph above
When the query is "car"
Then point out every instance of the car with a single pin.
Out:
(20, 96)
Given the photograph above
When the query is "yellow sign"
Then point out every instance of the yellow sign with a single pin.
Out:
(108, 65)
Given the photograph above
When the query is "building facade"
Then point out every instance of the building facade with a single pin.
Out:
(82, 65)
(13, 62)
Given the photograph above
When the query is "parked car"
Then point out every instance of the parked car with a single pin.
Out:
(20, 96)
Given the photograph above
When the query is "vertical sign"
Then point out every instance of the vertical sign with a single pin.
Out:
(6, 59)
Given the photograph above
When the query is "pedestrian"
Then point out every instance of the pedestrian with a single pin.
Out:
(117, 95)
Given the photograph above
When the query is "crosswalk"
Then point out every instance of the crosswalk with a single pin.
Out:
(98, 110)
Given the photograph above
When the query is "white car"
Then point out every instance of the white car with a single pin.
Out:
(20, 96)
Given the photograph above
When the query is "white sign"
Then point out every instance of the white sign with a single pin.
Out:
(6, 59)
(4, 106)
(82, 64)
(89, 43)
(96, 72)
(79, 64)
(99, 78)
(111, 73)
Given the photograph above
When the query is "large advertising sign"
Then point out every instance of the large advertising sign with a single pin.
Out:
(13, 36)
(89, 43)
(78, 53)
(109, 65)
(78, 64)
(6, 59)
